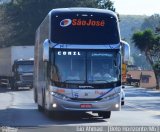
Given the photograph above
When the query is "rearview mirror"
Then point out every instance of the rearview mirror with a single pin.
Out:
(46, 50)
(125, 52)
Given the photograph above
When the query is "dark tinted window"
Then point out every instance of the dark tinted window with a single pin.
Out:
(69, 66)
(85, 66)
(25, 68)
(76, 28)
(101, 67)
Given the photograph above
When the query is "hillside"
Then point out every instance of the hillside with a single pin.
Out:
(129, 24)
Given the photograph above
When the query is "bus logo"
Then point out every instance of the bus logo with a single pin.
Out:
(65, 22)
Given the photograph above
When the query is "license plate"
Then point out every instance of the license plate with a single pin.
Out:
(86, 106)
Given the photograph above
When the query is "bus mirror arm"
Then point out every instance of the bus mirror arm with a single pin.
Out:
(115, 63)
(46, 50)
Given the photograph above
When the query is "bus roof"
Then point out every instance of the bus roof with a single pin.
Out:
(82, 10)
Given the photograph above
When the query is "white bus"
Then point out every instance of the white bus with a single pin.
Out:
(78, 62)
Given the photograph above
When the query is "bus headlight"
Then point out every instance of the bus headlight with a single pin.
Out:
(57, 95)
(52, 93)
(117, 105)
(54, 105)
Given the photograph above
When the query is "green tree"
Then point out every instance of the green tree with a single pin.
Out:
(139, 60)
(6, 26)
(106, 4)
(158, 29)
(149, 43)
(151, 22)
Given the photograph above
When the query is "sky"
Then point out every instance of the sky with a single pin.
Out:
(137, 7)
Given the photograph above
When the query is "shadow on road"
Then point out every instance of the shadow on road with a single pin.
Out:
(141, 92)
(78, 116)
(33, 118)
(4, 89)
(143, 99)
(150, 105)
(157, 117)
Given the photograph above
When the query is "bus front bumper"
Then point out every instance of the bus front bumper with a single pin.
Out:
(112, 104)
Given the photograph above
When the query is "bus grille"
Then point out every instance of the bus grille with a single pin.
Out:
(82, 99)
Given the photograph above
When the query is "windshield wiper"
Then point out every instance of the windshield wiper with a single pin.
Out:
(105, 81)
(74, 80)
(98, 80)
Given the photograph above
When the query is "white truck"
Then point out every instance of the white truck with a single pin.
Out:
(16, 66)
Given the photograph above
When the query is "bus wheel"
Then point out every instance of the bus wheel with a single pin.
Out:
(49, 113)
(40, 108)
(104, 114)
(35, 96)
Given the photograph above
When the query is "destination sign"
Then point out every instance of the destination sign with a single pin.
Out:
(81, 22)
(90, 22)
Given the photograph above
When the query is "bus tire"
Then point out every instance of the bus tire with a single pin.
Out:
(122, 103)
(40, 108)
(35, 96)
(49, 113)
(104, 114)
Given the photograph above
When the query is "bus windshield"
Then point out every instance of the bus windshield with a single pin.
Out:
(75, 28)
(85, 67)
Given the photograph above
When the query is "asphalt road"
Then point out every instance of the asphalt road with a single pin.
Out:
(19, 112)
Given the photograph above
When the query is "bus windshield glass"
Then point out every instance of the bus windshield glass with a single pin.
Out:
(91, 28)
(102, 67)
(85, 67)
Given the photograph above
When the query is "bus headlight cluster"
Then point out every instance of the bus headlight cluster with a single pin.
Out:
(57, 95)
(111, 96)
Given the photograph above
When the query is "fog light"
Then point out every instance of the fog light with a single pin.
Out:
(116, 105)
(54, 105)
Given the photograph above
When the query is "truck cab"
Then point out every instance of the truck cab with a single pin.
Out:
(22, 73)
